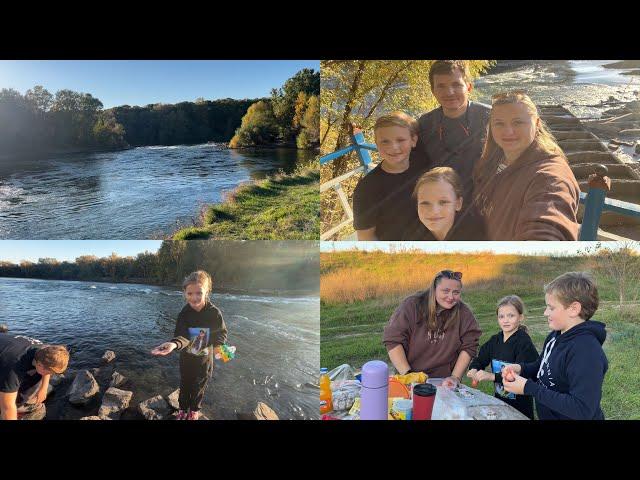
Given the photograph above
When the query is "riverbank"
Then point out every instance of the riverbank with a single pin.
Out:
(360, 291)
(280, 207)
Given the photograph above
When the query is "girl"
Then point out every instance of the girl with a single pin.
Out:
(200, 324)
(523, 186)
(439, 195)
(511, 345)
(434, 331)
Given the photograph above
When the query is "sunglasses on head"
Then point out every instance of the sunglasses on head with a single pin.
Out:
(450, 274)
(516, 94)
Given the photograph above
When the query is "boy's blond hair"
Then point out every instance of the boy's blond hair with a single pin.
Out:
(575, 287)
(53, 357)
(200, 277)
(397, 119)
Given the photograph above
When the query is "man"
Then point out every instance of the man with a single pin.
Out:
(453, 135)
(26, 365)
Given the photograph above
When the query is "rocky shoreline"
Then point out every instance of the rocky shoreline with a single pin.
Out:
(102, 393)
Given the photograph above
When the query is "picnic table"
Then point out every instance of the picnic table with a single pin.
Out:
(462, 403)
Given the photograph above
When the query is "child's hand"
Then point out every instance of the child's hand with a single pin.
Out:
(510, 371)
(165, 349)
(483, 376)
(472, 373)
(514, 386)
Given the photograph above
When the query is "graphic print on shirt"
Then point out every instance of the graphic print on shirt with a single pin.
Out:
(496, 367)
(198, 341)
(544, 372)
(435, 337)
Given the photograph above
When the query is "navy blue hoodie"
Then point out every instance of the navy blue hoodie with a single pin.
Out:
(566, 380)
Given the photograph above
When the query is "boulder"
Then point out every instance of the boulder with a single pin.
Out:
(155, 408)
(33, 412)
(261, 412)
(172, 399)
(108, 356)
(117, 380)
(94, 417)
(56, 379)
(114, 402)
(83, 388)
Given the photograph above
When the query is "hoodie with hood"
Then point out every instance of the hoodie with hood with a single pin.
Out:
(535, 198)
(566, 380)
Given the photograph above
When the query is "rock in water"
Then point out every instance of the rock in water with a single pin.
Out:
(155, 408)
(172, 399)
(117, 380)
(56, 379)
(261, 412)
(83, 388)
(34, 412)
(114, 402)
(108, 356)
(94, 417)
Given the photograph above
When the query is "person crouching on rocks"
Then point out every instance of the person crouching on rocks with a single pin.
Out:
(26, 365)
(200, 331)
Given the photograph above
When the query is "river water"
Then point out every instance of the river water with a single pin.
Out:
(141, 193)
(277, 340)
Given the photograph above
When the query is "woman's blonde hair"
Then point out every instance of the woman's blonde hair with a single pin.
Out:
(492, 154)
(200, 277)
(517, 303)
(428, 303)
(446, 174)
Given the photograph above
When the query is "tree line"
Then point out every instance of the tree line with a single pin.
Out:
(290, 117)
(251, 265)
(42, 121)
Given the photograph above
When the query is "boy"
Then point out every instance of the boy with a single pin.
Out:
(383, 208)
(566, 380)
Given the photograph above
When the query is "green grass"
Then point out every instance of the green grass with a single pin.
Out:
(351, 332)
(277, 208)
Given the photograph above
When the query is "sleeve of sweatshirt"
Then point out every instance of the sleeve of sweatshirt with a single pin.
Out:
(550, 206)
(181, 333)
(398, 330)
(484, 356)
(220, 334)
(585, 372)
(469, 333)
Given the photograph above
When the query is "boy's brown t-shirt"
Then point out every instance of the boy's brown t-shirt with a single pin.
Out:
(434, 354)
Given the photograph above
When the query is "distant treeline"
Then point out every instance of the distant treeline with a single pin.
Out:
(251, 265)
(42, 121)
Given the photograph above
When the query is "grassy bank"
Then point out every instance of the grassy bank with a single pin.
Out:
(352, 322)
(277, 208)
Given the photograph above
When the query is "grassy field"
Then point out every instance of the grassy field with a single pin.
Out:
(352, 319)
(277, 208)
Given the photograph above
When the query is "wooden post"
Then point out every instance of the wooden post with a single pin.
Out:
(363, 154)
(599, 185)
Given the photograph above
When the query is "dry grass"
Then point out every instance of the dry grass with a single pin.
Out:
(354, 276)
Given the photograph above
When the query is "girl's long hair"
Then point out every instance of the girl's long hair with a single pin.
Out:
(517, 303)
(492, 154)
(428, 303)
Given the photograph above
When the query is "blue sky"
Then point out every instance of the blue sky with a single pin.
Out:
(527, 248)
(17, 250)
(141, 82)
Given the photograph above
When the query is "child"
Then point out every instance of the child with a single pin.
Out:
(566, 379)
(439, 194)
(200, 324)
(382, 205)
(512, 344)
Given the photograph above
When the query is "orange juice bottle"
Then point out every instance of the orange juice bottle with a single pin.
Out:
(326, 404)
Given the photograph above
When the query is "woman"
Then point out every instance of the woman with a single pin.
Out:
(434, 331)
(523, 185)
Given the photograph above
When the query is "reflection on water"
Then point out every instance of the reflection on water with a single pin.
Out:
(135, 194)
(579, 85)
(277, 340)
